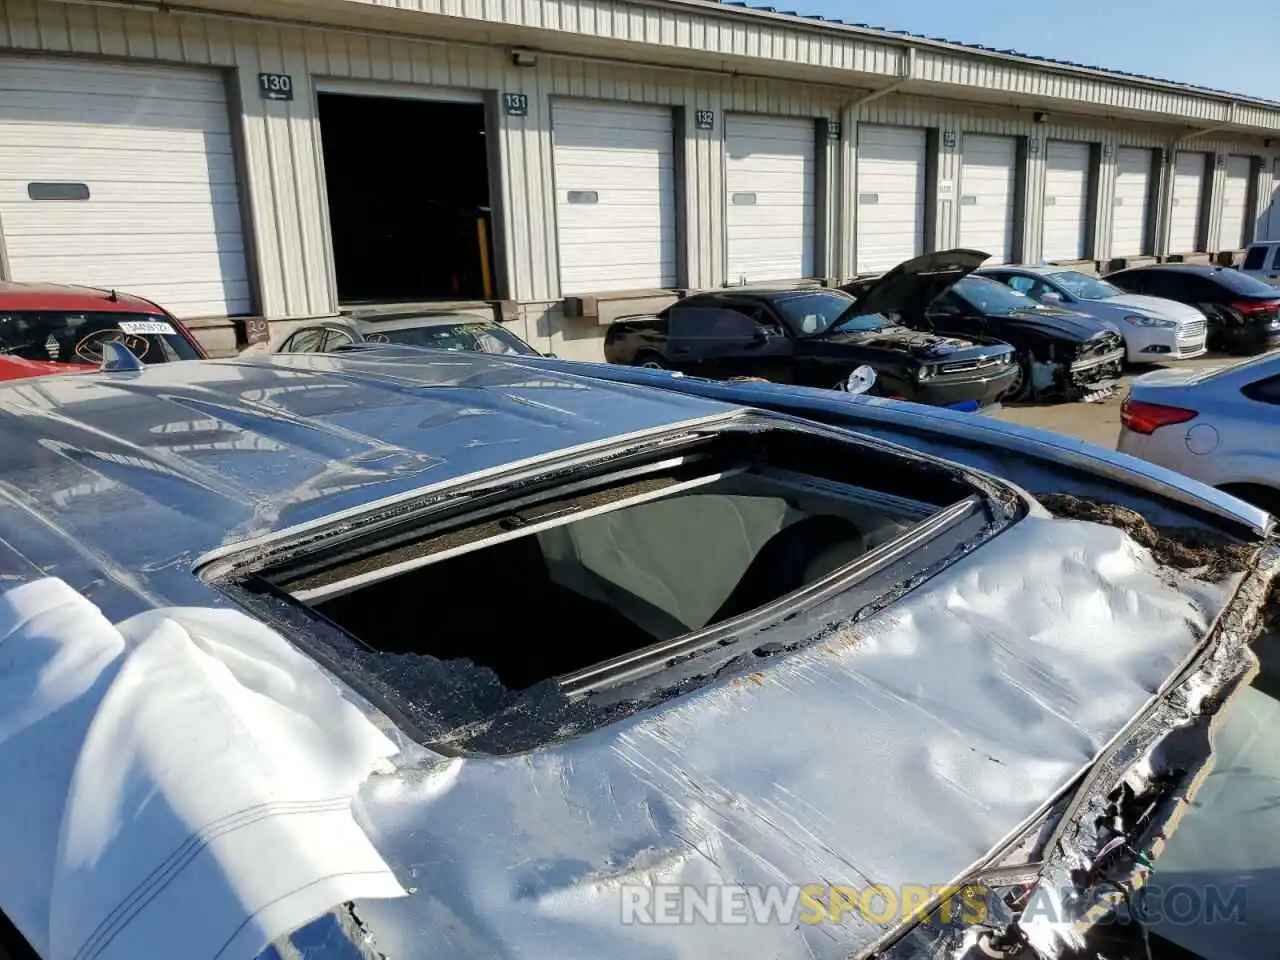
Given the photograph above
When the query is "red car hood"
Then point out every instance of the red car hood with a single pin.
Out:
(15, 368)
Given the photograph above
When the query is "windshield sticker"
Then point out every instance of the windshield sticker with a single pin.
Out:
(144, 327)
(89, 350)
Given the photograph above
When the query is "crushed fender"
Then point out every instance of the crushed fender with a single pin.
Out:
(1208, 557)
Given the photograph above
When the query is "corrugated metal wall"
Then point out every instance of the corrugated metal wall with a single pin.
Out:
(281, 150)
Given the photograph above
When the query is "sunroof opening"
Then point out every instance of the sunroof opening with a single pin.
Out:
(556, 584)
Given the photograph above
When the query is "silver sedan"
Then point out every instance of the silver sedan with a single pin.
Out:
(1154, 329)
(1219, 426)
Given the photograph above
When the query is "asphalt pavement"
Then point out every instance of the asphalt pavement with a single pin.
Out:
(1095, 422)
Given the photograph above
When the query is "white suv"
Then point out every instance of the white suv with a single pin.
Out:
(1262, 261)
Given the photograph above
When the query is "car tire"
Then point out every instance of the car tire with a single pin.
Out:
(650, 361)
(1021, 389)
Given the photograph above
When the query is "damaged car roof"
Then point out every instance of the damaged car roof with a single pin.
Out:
(192, 457)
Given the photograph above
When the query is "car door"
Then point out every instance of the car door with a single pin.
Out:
(719, 339)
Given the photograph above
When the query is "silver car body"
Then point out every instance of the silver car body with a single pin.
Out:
(1234, 437)
(900, 745)
(410, 328)
(1154, 329)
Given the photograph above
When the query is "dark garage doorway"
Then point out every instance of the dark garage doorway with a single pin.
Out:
(408, 189)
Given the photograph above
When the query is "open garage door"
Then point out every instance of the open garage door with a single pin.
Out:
(122, 176)
(1188, 188)
(771, 177)
(615, 196)
(988, 195)
(1235, 199)
(1132, 203)
(890, 196)
(408, 223)
(1066, 201)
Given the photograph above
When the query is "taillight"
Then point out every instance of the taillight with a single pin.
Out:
(1250, 307)
(1141, 417)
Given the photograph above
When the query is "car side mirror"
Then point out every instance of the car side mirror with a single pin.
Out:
(551, 356)
(758, 337)
(1051, 296)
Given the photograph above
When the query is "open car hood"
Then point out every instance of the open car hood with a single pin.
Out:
(911, 286)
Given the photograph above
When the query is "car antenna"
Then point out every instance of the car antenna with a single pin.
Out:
(113, 296)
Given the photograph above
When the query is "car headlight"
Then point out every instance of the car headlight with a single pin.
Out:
(1137, 320)
(924, 372)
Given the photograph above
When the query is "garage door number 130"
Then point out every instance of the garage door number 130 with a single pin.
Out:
(275, 86)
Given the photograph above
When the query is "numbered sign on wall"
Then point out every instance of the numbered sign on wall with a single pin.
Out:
(275, 86)
(705, 120)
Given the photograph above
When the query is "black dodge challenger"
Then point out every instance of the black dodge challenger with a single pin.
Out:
(815, 338)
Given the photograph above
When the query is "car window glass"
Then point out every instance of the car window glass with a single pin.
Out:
(1084, 286)
(1136, 282)
(474, 337)
(1265, 391)
(1241, 283)
(68, 336)
(1255, 258)
(1021, 284)
(809, 314)
(992, 298)
(337, 338)
(306, 341)
(711, 323)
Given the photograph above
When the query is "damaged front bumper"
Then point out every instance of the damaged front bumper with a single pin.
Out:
(1094, 377)
(1053, 890)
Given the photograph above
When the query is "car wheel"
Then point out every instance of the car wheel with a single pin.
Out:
(1020, 389)
(650, 361)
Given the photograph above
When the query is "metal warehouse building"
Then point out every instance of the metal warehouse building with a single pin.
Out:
(559, 163)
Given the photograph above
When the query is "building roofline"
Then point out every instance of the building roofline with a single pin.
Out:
(739, 9)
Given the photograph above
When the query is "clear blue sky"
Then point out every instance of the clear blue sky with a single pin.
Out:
(1233, 46)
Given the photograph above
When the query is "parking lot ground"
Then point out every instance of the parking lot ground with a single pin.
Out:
(1095, 422)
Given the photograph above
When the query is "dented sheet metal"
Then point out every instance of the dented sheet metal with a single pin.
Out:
(900, 755)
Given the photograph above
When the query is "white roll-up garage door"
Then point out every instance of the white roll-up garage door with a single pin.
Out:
(615, 196)
(1235, 197)
(1132, 202)
(988, 191)
(1066, 201)
(1188, 187)
(771, 177)
(890, 196)
(122, 176)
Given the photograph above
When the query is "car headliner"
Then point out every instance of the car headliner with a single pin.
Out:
(189, 457)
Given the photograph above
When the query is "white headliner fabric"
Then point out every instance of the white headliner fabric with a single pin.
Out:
(179, 785)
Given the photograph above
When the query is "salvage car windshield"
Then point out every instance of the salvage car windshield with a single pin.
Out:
(1085, 287)
(469, 336)
(813, 314)
(991, 297)
(76, 337)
